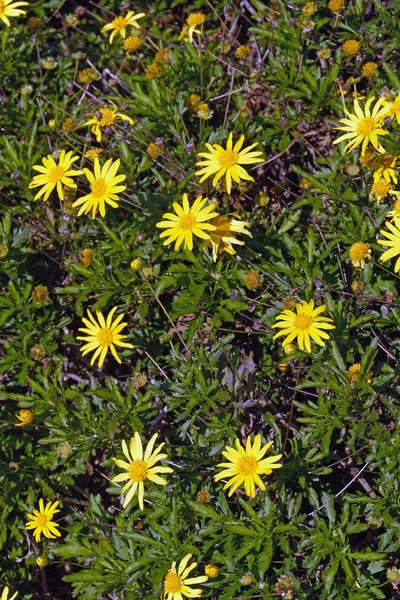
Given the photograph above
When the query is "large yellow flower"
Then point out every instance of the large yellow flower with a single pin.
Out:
(140, 467)
(220, 162)
(393, 241)
(53, 175)
(221, 239)
(8, 8)
(4, 595)
(394, 108)
(103, 188)
(194, 21)
(107, 119)
(364, 127)
(41, 521)
(246, 465)
(119, 24)
(103, 336)
(177, 584)
(303, 324)
(187, 222)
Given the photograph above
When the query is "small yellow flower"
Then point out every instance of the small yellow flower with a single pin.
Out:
(309, 9)
(8, 8)
(359, 253)
(195, 23)
(93, 153)
(163, 56)
(305, 184)
(247, 579)
(41, 521)
(42, 561)
(369, 69)
(188, 221)
(154, 150)
(211, 570)
(335, 5)
(177, 584)
(384, 166)
(107, 118)
(40, 293)
(246, 465)
(4, 594)
(87, 75)
(203, 112)
(136, 264)
(132, 43)
(140, 467)
(364, 127)
(243, 52)
(192, 102)
(203, 497)
(394, 108)
(227, 162)
(119, 24)
(221, 238)
(104, 187)
(393, 241)
(303, 324)
(351, 47)
(87, 257)
(103, 335)
(353, 373)
(380, 189)
(253, 280)
(153, 71)
(25, 417)
(54, 175)
(69, 126)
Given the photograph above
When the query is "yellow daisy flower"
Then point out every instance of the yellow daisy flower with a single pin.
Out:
(25, 417)
(8, 8)
(246, 465)
(220, 162)
(394, 108)
(103, 336)
(221, 239)
(303, 324)
(4, 595)
(177, 584)
(393, 241)
(107, 119)
(41, 521)
(385, 165)
(140, 467)
(195, 20)
(364, 127)
(359, 253)
(104, 187)
(53, 175)
(119, 24)
(188, 221)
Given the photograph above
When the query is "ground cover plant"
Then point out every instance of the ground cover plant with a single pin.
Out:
(199, 309)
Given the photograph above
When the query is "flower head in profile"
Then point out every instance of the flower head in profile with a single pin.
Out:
(4, 594)
(222, 238)
(385, 167)
(392, 240)
(187, 222)
(394, 108)
(177, 584)
(103, 335)
(24, 416)
(364, 127)
(359, 253)
(8, 8)
(54, 175)
(227, 162)
(246, 465)
(119, 24)
(106, 117)
(41, 521)
(104, 187)
(140, 466)
(306, 322)
(194, 24)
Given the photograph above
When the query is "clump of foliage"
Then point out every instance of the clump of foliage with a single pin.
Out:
(174, 197)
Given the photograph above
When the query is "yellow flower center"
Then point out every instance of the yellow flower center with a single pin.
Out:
(108, 116)
(120, 23)
(55, 175)
(105, 337)
(303, 321)
(223, 226)
(381, 188)
(366, 126)
(227, 159)
(42, 520)
(98, 188)
(173, 583)
(187, 222)
(195, 19)
(359, 251)
(247, 465)
(138, 470)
